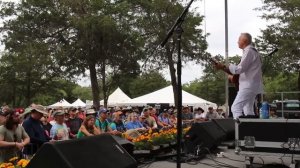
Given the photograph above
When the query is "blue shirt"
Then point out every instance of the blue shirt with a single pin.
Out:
(134, 125)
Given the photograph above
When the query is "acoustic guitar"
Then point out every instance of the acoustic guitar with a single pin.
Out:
(232, 78)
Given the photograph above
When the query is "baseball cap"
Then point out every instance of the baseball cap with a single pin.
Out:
(103, 110)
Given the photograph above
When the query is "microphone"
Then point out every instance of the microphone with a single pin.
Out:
(274, 51)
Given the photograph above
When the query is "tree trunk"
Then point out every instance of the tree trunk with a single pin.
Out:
(299, 84)
(94, 84)
(104, 88)
(28, 89)
(173, 74)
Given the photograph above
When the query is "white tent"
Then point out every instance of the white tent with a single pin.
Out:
(61, 103)
(114, 99)
(78, 103)
(166, 96)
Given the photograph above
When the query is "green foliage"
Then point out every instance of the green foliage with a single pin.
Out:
(282, 33)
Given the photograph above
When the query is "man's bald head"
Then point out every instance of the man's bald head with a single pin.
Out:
(244, 40)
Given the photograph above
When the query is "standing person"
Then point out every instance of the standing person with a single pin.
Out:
(250, 77)
(59, 130)
(3, 115)
(13, 137)
(33, 127)
(74, 122)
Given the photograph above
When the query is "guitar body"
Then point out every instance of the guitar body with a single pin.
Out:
(234, 79)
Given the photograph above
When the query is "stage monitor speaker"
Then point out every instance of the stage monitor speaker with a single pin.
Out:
(227, 125)
(101, 151)
(203, 136)
(127, 145)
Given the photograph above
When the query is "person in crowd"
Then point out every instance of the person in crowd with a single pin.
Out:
(143, 121)
(13, 137)
(187, 116)
(81, 114)
(211, 114)
(221, 113)
(165, 120)
(74, 122)
(34, 128)
(59, 130)
(102, 123)
(272, 113)
(199, 115)
(88, 127)
(149, 120)
(46, 125)
(91, 112)
(134, 122)
(153, 113)
(117, 124)
(173, 117)
(3, 115)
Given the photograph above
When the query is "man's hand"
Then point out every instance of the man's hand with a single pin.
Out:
(19, 145)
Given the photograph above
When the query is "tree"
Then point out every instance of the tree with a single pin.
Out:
(72, 35)
(156, 18)
(283, 33)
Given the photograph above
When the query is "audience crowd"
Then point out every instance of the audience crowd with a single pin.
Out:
(23, 134)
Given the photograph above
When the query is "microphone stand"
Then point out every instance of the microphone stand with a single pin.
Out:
(178, 30)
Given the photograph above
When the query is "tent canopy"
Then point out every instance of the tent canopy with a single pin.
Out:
(114, 99)
(61, 103)
(78, 103)
(166, 96)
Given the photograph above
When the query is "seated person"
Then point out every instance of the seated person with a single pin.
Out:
(165, 120)
(211, 114)
(149, 120)
(103, 124)
(88, 127)
(134, 123)
(117, 124)
(187, 116)
(199, 115)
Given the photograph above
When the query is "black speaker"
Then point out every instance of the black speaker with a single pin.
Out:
(127, 145)
(100, 151)
(227, 125)
(203, 136)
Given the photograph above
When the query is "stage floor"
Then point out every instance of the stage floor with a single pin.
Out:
(230, 159)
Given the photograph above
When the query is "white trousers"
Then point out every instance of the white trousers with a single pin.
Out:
(243, 103)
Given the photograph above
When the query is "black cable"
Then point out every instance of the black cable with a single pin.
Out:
(218, 162)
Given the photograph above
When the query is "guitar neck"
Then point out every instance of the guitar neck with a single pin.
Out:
(226, 70)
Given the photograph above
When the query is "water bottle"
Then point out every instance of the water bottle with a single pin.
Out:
(264, 110)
